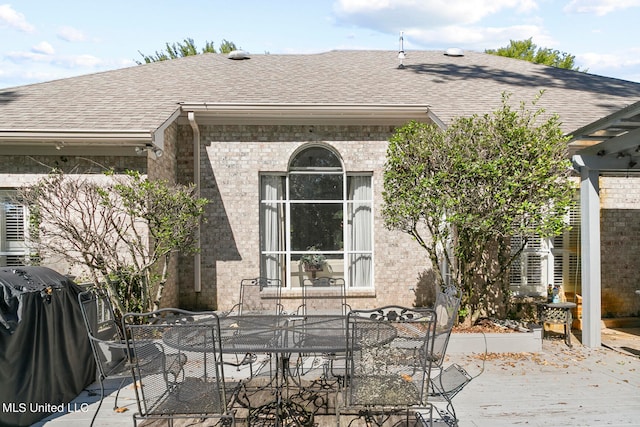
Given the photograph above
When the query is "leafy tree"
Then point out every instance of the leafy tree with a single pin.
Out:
(124, 229)
(463, 191)
(528, 51)
(185, 48)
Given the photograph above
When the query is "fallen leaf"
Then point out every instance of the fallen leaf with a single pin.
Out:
(121, 409)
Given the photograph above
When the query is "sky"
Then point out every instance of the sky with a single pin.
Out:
(43, 40)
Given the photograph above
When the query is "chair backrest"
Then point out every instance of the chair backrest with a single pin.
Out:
(446, 307)
(104, 331)
(389, 370)
(324, 295)
(177, 362)
(260, 296)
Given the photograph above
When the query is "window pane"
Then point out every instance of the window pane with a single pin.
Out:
(359, 187)
(272, 226)
(360, 270)
(359, 225)
(316, 224)
(316, 157)
(315, 187)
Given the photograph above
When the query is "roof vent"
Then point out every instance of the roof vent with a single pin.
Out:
(238, 54)
(454, 51)
(401, 54)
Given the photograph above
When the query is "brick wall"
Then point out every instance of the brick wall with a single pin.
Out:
(19, 171)
(165, 168)
(232, 158)
(620, 229)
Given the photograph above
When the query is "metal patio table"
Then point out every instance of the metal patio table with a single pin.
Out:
(558, 313)
(284, 335)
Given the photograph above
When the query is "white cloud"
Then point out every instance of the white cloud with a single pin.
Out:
(599, 7)
(81, 61)
(394, 15)
(22, 57)
(616, 60)
(11, 18)
(477, 38)
(43, 48)
(71, 34)
(623, 64)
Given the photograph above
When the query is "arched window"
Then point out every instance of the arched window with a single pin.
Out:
(317, 221)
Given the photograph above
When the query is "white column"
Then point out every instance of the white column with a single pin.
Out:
(590, 256)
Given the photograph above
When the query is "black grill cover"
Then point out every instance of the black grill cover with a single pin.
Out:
(45, 356)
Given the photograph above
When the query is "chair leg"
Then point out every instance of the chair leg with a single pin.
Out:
(115, 404)
(99, 403)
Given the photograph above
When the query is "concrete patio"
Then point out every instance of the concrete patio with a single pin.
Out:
(558, 386)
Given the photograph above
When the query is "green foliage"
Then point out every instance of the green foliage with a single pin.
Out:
(470, 187)
(128, 285)
(313, 260)
(123, 229)
(171, 216)
(528, 51)
(185, 48)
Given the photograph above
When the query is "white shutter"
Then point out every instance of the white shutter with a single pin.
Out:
(566, 251)
(13, 249)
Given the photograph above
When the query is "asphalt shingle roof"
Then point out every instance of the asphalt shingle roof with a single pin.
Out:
(143, 97)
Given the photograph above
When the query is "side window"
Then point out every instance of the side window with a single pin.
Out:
(548, 261)
(13, 220)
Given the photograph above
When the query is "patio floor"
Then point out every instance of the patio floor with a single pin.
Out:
(559, 386)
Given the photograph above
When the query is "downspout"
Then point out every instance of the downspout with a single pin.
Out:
(197, 272)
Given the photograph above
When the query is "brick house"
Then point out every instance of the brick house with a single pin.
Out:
(289, 149)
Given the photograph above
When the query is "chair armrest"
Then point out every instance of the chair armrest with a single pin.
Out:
(108, 343)
(235, 310)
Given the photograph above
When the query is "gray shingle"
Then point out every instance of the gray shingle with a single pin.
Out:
(143, 97)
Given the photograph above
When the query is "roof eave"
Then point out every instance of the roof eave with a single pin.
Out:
(76, 137)
(292, 113)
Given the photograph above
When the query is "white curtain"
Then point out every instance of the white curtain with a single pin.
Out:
(272, 219)
(359, 223)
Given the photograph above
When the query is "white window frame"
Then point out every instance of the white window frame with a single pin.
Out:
(284, 206)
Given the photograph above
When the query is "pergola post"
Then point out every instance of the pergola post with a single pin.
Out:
(590, 256)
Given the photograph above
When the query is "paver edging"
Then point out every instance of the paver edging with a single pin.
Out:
(496, 342)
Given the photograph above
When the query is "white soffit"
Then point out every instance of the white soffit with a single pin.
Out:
(612, 134)
(611, 143)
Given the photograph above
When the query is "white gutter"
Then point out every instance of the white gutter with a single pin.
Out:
(197, 279)
(213, 112)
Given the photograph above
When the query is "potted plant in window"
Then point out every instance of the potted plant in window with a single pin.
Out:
(313, 262)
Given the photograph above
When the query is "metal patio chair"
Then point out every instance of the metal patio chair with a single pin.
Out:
(446, 307)
(108, 344)
(191, 382)
(324, 295)
(112, 355)
(388, 381)
(260, 295)
(446, 383)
